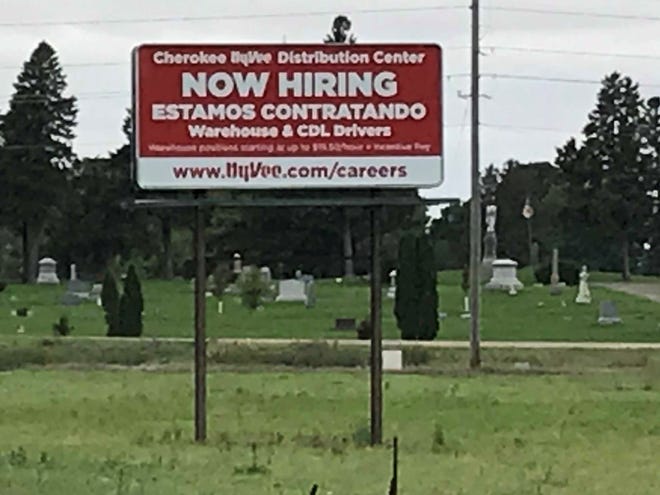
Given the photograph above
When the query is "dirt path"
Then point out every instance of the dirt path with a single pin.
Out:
(648, 290)
(396, 344)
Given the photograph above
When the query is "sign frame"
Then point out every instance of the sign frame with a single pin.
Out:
(288, 183)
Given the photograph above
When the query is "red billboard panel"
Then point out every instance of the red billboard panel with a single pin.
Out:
(287, 116)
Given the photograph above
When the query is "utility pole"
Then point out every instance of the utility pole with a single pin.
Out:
(475, 202)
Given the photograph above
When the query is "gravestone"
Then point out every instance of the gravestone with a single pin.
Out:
(77, 291)
(265, 274)
(490, 243)
(79, 288)
(47, 272)
(298, 274)
(608, 314)
(70, 299)
(74, 274)
(391, 291)
(504, 276)
(555, 285)
(584, 294)
(291, 290)
(310, 292)
(392, 360)
(238, 264)
(466, 315)
(534, 255)
(95, 294)
(345, 324)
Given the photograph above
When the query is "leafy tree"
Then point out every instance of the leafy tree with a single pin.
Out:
(416, 301)
(110, 303)
(37, 131)
(609, 178)
(519, 182)
(92, 227)
(131, 306)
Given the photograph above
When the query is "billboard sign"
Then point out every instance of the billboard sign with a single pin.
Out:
(287, 116)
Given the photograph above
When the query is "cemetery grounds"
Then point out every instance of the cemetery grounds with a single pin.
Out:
(115, 417)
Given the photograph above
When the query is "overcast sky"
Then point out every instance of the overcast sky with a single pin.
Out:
(523, 119)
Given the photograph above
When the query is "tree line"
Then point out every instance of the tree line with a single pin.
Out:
(597, 202)
(56, 203)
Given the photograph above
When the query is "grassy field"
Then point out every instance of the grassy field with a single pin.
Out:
(128, 433)
(532, 315)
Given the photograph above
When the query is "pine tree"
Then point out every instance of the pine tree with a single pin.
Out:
(609, 176)
(416, 303)
(37, 131)
(427, 301)
(405, 304)
(110, 302)
(131, 306)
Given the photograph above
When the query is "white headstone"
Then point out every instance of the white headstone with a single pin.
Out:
(392, 360)
(47, 272)
(74, 275)
(391, 291)
(291, 290)
(238, 264)
(584, 294)
(505, 276)
(266, 275)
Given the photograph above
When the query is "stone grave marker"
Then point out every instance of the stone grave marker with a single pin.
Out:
(504, 275)
(77, 291)
(608, 314)
(310, 294)
(266, 275)
(393, 360)
(95, 294)
(47, 272)
(345, 324)
(584, 294)
(556, 285)
(291, 290)
(391, 291)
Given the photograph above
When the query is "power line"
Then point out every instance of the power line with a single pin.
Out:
(575, 13)
(548, 51)
(276, 15)
(492, 49)
(525, 77)
(234, 17)
(510, 127)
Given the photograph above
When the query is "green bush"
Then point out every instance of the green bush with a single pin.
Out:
(416, 302)
(364, 329)
(131, 306)
(569, 272)
(62, 327)
(110, 303)
(252, 288)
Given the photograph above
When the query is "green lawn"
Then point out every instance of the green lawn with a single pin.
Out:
(532, 315)
(128, 432)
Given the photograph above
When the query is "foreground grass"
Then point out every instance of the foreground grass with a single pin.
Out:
(532, 315)
(127, 432)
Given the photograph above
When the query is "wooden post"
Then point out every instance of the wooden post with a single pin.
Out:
(200, 327)
(376, 367)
